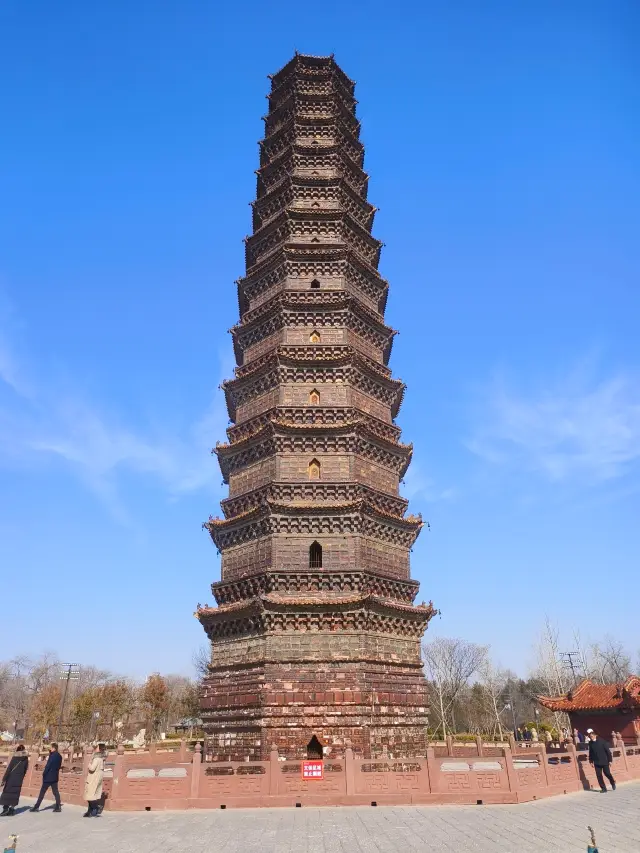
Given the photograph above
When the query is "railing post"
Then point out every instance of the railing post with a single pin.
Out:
(350, 771)
(196, 771)
(449, 740)
(573, 752)
(153, 748)
(512, 776)
(183, 751)
(119, 772)
(273, 771)
(479, 746)
(430, 764)
(623, 753)
(513, 743)
(33, 760)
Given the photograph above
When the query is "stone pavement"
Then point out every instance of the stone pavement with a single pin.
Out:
(556, 825)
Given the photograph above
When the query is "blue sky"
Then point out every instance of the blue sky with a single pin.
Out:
(502, 142)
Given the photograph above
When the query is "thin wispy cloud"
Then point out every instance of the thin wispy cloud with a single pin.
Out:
(40, 423)
(418, 485)
(582, 428)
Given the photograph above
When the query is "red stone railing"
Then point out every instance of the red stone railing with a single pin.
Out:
(182, 780)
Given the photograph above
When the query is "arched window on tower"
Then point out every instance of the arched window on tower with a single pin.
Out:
(314, 470)
(315, 284)
(314, 398)
(314, 337)
(315, 556)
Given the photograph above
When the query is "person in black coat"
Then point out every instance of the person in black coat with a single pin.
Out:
(12, 781)
(50, 777)
(600, 757)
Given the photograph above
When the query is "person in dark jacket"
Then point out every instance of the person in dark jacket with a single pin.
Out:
(50, 777)
(12, 781)
(600, 757)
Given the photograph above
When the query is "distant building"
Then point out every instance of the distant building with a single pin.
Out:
(605, 708)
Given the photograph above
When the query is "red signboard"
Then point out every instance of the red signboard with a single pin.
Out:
(312, 770)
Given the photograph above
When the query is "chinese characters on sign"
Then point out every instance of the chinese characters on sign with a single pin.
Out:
(312, 770)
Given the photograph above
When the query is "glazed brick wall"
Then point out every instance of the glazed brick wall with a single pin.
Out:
(339, 551)
(363, 345)
(346, 646)
(328, 334)
(238, 651)
(331, 394)
(362, 705)
(368, 404)
(385, 558)
(252, 477)
(378, 477)
(268, 294)
(326, 283)
(295, 467)
(360, 295)
(303, 646)
(303, 284)
(247, 558)
(297, 394)
(292, 552)
(256, 405)
(263, 346)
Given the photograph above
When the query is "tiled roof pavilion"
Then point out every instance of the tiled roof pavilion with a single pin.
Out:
(589, 696)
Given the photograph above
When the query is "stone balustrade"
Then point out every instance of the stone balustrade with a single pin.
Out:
(468, 773)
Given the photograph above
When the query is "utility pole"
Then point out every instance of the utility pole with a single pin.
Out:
(568, 662)
(68, 672)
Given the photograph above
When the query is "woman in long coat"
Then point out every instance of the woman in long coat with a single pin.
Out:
(12, 781)
(93, 785)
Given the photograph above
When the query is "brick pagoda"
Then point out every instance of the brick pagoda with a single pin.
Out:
(315, 636)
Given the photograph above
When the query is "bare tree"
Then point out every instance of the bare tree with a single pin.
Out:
(549, 670)
(584, 655)
(450, 663)
(494, 682)
(611, 661)
(202, 661)
(548, 667)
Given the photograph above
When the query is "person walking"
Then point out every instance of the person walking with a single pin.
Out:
(50, 778)
(12, 782)
(93, 785)
(600, 758)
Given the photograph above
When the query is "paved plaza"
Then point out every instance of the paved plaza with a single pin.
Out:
(556, 825)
